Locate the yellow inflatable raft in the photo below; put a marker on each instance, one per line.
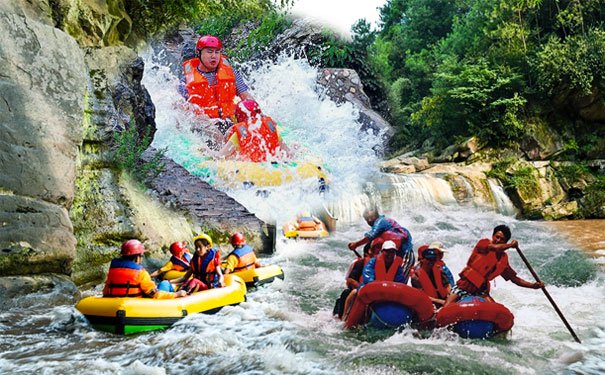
(261, 275)
(307, 227)
(231, 173)
(132, 315)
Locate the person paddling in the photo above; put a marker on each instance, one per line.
(487, 261)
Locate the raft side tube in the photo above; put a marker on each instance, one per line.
(389, 291)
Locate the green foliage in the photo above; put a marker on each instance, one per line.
(270, 25)
(500, 167)
(524, 180)
(473, 98)
(572, 172)
(128, 149)
(576, 62)
(152, 17)
(471, 67)
(592, 205)
(520, 177)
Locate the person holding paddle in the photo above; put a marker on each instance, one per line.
(487, 261)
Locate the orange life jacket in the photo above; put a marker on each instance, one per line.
(245, 257)
(257, 139)
(204, 268)
(427, 285)
(123, 279)
(215, 100)
(380, 269)
(481, 268)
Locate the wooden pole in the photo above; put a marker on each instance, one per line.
(552, 302)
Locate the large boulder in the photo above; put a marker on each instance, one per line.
(39, 11)
(93, 23)
(41, 91)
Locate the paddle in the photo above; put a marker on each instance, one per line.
(552, 302)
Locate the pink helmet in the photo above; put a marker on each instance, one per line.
(177, 247)
(207, 41)
(132, 247)
(238, 239)
(246, 109)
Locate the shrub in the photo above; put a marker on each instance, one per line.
(128, 149)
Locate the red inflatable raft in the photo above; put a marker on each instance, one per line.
(472, 316)
(389, 293)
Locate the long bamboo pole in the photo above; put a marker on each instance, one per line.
(552, 302)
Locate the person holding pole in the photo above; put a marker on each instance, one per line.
(487, 261)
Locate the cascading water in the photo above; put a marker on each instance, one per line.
(286, 327)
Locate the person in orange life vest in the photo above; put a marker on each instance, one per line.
(128, 278)
(354, 277)
(431, 276)
(254, 138)
(487, 261)
(179, 261)
(205, 267)
(386, 266)
(241, 258)
(445, 268)
(211, 83)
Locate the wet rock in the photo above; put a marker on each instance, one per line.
(41, 111)
(93, 23)
(560, 210)
(13, 286)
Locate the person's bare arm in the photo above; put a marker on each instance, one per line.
(500, 247)
(526, 284)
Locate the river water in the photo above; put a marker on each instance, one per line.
(286, 327)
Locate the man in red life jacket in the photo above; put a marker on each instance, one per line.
(487, 261)
(241, 258)
(128, 278)
(179, 261)
(254, 138)
(430, 274)
(211, 82)
(211, 85)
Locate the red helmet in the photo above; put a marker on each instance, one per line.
(132, 247)
(238, 239)
(246, 109)
(177, 247)
(207, 41)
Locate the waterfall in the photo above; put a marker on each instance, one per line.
(503, 202)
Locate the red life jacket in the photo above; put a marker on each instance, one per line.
(181, 264)
(390, 235)
(481, 268)
(427, 285)
(380, 269)
(216, 100)
(245, 257)
(257, 139)
(123, 279)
